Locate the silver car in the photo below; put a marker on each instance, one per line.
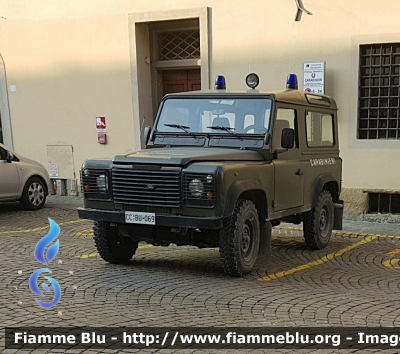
(22, 179)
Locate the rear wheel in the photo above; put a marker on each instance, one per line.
(318, 222)
(240, 239)
(34, 194)
(111, 245)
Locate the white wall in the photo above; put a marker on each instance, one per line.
(71, 62)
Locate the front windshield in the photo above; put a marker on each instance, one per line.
(215, 115)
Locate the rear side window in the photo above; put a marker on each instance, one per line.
(319, 128)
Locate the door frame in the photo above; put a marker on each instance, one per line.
(144, 76)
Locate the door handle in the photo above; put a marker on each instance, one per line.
(300, 172)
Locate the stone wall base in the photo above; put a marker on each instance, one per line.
(356, 206)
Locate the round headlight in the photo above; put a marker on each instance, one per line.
(252, 80)
(102, 183)
(196, 188)
(86, 173)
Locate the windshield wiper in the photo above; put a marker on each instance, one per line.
(220, 127)
(179, 126)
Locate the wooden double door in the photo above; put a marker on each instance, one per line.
(181, 80)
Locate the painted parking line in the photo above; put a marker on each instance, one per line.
(392, 262)
(86, 232)
(336, 232)
(90, 255)
(320, 261)
(95, 254)
(41, 228)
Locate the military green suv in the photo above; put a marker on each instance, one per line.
(220, 169)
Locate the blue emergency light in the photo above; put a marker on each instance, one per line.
(220, 83)
(291, 82)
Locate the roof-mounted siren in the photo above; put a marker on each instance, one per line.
(252, 80)
(292, 83)
(220, 83)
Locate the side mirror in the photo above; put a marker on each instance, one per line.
(146, 135)
(9, 157)
(287, 139)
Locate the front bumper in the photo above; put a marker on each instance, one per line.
(210, 223)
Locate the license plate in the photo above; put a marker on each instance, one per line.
(133, 217)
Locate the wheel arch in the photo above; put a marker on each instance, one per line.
(246, 189)
(325, 182)
(45, 183)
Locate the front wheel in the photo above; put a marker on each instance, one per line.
(111, 245)
(34, 194)
(239, 239)
(318, 222)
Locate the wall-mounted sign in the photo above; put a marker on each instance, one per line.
(101, 125)
(53, 170)
(314, 77)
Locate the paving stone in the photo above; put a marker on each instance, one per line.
(185, 286)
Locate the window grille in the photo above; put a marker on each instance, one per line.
(384, 203)
(379, 83)
(179, 45)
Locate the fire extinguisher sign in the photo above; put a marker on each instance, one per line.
(101, 125)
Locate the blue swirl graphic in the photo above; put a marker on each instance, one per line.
(46, 241)
(41, 257)
(35, 289)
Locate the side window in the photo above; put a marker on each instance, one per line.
(319, 128)
(285, 118)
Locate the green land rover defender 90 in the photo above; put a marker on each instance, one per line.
(220, 169)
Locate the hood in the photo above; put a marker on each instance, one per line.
(183, 156)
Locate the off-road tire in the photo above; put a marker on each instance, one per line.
(318, 222)
(34, 194)
(113, 247)
(239, 239)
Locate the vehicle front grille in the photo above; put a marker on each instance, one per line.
(147, 187)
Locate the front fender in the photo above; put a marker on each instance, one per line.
(319, 185)
(236, 189)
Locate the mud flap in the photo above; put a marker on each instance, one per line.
(265, 238)
(338, 215)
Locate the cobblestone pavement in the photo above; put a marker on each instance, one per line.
(353, 282)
